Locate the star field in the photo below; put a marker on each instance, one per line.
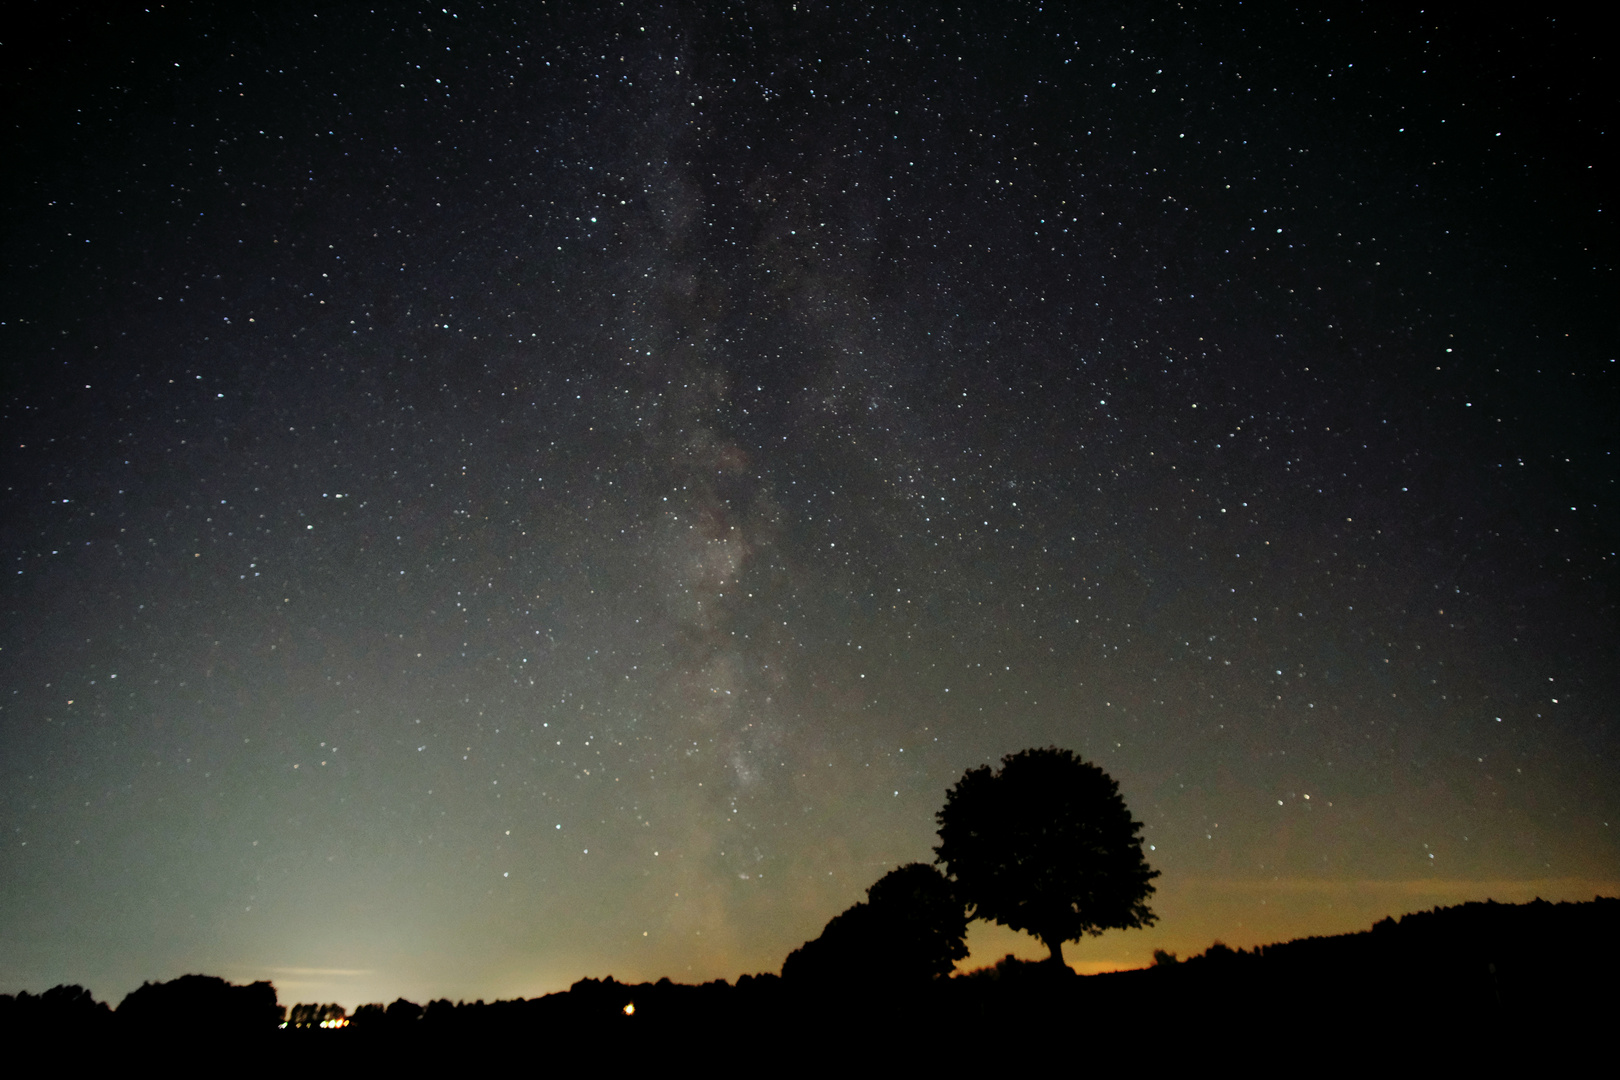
(498, 495)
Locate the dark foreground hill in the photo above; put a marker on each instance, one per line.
(1476, 976)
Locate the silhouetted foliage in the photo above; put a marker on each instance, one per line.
(402, 1014)
(203, 1003)
(1476, 976)
(1046, 845)
(910, 929)
(306, 1015)
(59, 1010)
(368, 1017)
(1010, 970)
(848, 948)
(930, 920)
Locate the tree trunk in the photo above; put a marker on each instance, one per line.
(1056, 945)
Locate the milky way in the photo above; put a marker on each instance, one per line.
(495, 496)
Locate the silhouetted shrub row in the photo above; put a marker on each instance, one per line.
(199, 1004)
(1483, 966)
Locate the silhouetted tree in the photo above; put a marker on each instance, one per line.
(60, 1011)
(440, 1013)
(910, 928)
(929, 921)
(845, 950)
(402, 1015)
(313, 1014)
(369, 1017)
(1046, 845)
(202, 1002)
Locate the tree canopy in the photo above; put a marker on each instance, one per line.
(1046, 845)
(910, 928)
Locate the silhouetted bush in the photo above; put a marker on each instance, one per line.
(1011, 970)
(910, 930)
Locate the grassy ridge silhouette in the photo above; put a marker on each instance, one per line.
(1485, 968)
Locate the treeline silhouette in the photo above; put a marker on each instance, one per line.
(1486, 968)
(202, 1003)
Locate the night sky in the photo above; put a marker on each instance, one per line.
(500, 494)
